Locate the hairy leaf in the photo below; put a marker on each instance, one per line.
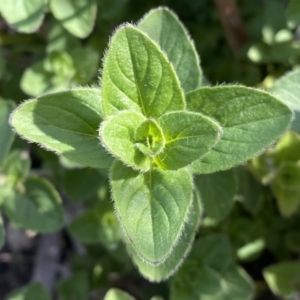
(163, 27)
(66, 123)
(138, 76)
(152, 208)
(251, 121)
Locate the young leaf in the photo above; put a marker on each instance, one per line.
(152, 208)
(173, 262)
(116, 294)
(77, 16)
(24, 15)
(283, 278)
(287, 89)
(163, 26)
(217, 193)
(7, 135)
(2, 233)
(138, 76)
(188, 137)
(251, 121)
(33, 291)
(118, 136)
(37, 208)
(66, 123)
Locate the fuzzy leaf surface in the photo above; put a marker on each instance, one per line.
(152, 208)
(66, 123)
(251, 121)
(7, 135)
(188, 137)
(163, 26)
(138, 76)
(77, 16)
(173, 262)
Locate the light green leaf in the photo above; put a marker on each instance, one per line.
(66, 123)
(293, 12)
(164, 27)
(33, 291)
(173, 262)
(38, 207)
(7, 135)
(152, 208)
(251, 250)
(217, 192)
(77, 16)
(138, 76)
(236, 284)
(116, 294)
(2, 233)
(287, 89)
(251, 121)
(283, 278)
(76, 287)
(188, 137)
(118, 136)
(24, 15)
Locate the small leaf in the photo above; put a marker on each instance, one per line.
(188, 137)
(38, 207)
(173, 262)
(251, 121)
(163, 27)
(66, 123)
(283, 278)
(7, 135)
(77, 16)
(2, 233)
(138, 76)
(116, 294)
(217, 193)
(118, 136)
(152, 208)
(24, 15)
(33, 291)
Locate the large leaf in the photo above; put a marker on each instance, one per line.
(33, 291)
(287, 89)
(6, 107)
(77, 16)
(66, 123)
(173, 262)
(38, 207)
(188, 137)
(283, 278)
(116, 294)
(251, 121)
(164, 28)
(217, 192)
(152, 208)
(138, 76)
(24, 15)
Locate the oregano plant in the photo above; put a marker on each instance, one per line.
(154, 128)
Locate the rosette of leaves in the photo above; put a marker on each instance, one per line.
(157, 127)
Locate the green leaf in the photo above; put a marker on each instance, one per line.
(217, 193)
(283, 278)
(152, 208)
(118, 136)
(293, 12)
(188, 135)
(116, 294)
(251, 121)
(96, 225)
(24, 15)
(76, 287)
(7, 136)
(33, 291)
(164, 27)
(2, 233)
(173, 262)
(66, 123)
(38, 207)
(251, 250)
(77, 16)
(138, 76)
(287, 89)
